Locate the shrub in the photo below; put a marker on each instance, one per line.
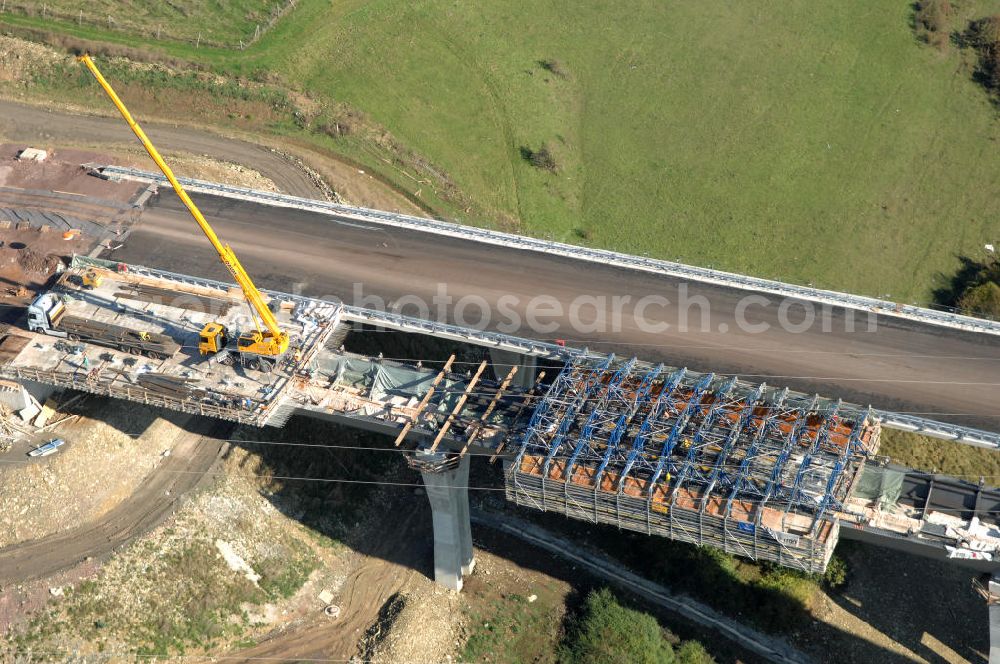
(836, 572)
(541, 158)
(982, 300)
(984, 36)
(555, 67)
(607, 632)
(931, 21)
(932, 15)
(692, 652)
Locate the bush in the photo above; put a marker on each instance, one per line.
(930, 21)
(692, 652)
(984, 36)
(836, 572)
(932, 15)
(555, 67)
(541, 158)
(607, 633)
(982, 300)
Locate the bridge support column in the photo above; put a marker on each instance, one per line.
(447, 485)
(527, 367)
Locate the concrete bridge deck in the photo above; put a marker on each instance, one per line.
(602, 437)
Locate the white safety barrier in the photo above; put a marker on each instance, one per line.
(667, 268)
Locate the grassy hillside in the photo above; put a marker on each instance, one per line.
(224, 23)
(812, 142)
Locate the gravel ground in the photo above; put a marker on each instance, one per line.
(101, 465)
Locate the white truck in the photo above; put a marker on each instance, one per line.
(48, 314)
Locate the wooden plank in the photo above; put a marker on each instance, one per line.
(423, 402)
(458, 405)
(489, 409)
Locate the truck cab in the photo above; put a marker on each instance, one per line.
(213, 338)
(42, 313)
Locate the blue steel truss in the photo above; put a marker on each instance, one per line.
(795, 495)
(654, 423)
(601, 415)
(733, 443)
(568, 412)
(640, 399)
(722, 457)
(742, 482)
(774, 482)
(695, 444)
(852, 448)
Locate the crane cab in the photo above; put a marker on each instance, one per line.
(213, 338)
(255, 342)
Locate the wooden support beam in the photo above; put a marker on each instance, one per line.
(458, 405)
(423, 402)
(489, 409)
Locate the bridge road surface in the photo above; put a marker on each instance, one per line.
(902, 366)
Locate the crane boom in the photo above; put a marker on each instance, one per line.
(274, 341)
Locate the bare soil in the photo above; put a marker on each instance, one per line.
(28, 260)
(111, 450)
(62, 171)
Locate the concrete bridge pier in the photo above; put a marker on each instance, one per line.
(527, 367)
(447, 483)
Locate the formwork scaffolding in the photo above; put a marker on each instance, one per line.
(755, 471)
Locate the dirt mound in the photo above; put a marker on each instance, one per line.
(33, 262)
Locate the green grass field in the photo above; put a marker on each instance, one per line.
(811, 142)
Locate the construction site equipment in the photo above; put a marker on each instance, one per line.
(259, 349)
(47, 314)
(90, 279)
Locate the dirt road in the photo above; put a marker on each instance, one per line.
(32, 124)
(391, 561)
(153, 502)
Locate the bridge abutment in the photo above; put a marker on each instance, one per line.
(447, 483)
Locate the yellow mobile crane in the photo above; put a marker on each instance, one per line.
(258, 349)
